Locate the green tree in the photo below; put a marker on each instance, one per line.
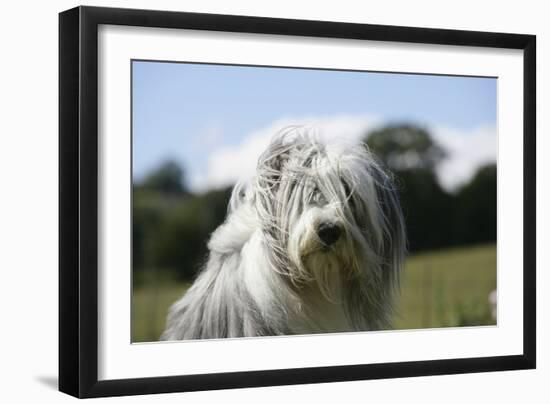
(168, 178)
(156, 194)
(183, 232)
(171, 226)
(148, 207)
(405, 147)
(476, 208)
(411, 155)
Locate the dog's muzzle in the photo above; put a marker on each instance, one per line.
(329, 233)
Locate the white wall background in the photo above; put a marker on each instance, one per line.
(28, 202)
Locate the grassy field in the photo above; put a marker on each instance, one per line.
(448, 288)
(439, 289)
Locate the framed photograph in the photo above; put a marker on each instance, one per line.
(250, 201)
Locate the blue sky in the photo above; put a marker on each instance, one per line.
(196, 113)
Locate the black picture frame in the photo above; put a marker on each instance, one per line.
(78, 200)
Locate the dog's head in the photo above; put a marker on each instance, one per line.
(329, 213)
(331, 220)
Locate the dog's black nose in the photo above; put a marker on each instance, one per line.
(329, 233)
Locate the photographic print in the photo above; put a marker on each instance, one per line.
(249, 201)
(272, 201)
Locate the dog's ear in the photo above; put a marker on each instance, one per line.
(393, 246)
(269, 174)
(370, 304)
(271, 165)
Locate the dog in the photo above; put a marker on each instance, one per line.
(314, 243)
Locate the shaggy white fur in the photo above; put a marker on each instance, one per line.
(315, 243)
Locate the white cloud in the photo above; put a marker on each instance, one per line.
(466, 150)
(210, 135)
(228, 164)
